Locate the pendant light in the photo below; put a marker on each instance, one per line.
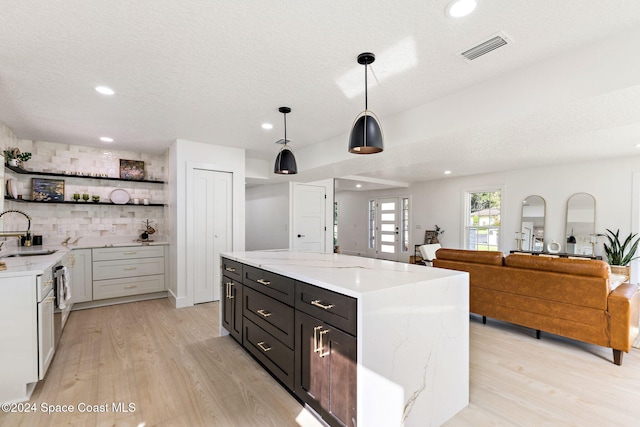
(366, 135)
(285, 160)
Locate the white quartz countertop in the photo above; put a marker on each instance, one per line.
(349, 275)
(34, 265)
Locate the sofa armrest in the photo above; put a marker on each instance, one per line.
(624, 309)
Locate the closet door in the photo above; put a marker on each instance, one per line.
(211, 220)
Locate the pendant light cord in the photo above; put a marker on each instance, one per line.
(366, 85)
(285, 128)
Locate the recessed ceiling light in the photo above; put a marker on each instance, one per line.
(106, 139)
(267, 126)
(460, 8)
(104, 90)
(358, 185)
(638, 145)
(447, 172)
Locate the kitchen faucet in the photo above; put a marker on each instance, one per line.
(27, 233)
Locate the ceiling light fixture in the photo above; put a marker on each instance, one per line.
(106, 139)
(460, 8)
(366, 135)
(447, 172)
(285, 160)
(104, 90)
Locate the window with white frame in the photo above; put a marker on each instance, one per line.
(404, 241)
(482, 220)
(372, 224)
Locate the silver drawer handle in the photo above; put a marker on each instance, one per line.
(263, 313)
(229, 292)
(130, 268)
(262, 347)
(231, 269)
(131, 286)
(129, 253)
(264, 282)
(321, 304)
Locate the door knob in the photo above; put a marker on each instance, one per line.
(300, 235)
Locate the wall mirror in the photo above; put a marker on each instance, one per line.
(532, 224)
(581, 221)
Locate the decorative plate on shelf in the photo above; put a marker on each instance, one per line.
(12, 190)
(120, 196)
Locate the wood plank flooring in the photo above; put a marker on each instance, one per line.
(176, 370)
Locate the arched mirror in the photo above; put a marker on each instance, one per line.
(532, 224)
(581, 222)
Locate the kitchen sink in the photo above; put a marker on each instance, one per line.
(30, 253)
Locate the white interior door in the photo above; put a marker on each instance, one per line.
(389, 221)
(212, 221)
(308, 226)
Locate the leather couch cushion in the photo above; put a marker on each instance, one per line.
(476, 257)
(586, 267)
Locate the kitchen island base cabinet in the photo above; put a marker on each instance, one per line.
(232, 294)
(274, 355)
(376, 343)
(326, 366)
(232, 307)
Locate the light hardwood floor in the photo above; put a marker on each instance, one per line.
(178, 372)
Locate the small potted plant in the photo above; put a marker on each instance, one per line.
(15, 158)
(620, 254)
(11, 156)
(439, 231)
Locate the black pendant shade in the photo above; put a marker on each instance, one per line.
(366, 134)
(285, 160)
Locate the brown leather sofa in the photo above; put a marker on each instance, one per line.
(567, 297)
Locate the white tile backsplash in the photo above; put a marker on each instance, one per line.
(88, 220)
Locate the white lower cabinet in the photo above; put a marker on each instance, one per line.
(121, 272)
(81, 276)
(113, 288)
(46, 334)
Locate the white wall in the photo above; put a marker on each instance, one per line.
(441, 202)
(181, 154)
(353, 211)
(267, 217)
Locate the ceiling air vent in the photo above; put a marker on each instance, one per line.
(489, 45)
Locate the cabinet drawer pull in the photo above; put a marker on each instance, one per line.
(263, 313)
(322, 353)
(229, 292)
(230, 269)
(321, 304)
(262, 347)
(129, 253)
(263, 282)
(130, 268)
(316, 347)
(131, 286)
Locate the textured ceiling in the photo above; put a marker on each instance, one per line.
(213, 71)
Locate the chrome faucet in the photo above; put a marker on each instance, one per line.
(66, 241)
(26, 234)
(75, 242)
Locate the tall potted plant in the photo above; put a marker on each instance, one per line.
(620, 254)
